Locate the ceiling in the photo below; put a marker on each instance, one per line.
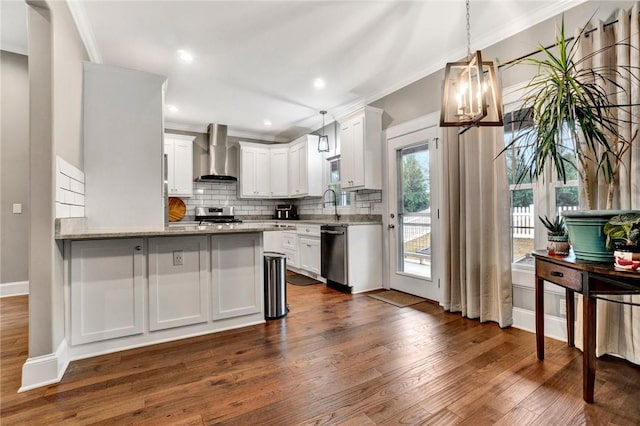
(255, 61)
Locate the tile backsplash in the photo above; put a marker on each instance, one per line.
(363, 202)
(226, 194)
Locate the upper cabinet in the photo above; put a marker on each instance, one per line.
(305, 167)
(361, 149)
(279, 166)
(179, 163)
(254, 171)
(281, 170)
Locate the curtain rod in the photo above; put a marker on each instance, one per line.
(554, 45)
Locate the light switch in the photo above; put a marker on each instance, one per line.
(17, 208)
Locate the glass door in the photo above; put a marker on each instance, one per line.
(410, 213)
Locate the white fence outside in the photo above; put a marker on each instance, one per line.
(523, 220)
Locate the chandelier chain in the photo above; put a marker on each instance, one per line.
(468, 31)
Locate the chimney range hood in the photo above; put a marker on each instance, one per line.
(222, 160)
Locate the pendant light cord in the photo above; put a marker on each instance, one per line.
(468, 31)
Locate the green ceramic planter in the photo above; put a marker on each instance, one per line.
(585, 233)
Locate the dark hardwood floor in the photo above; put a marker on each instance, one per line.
(336, 359)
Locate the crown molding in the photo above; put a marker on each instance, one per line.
(84, 29)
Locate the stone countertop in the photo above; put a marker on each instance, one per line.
(314, 222)
(78, 233)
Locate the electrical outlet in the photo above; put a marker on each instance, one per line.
(563, 307)
(178, 258)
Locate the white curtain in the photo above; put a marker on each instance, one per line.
(618, 325)
(477, 241)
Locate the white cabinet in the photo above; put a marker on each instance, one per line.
(254, 171)
(236, 265)
(279, 167)
(361, 149)
(364, 251)
(178, 281)
(309, 249)
(290, 248)
(272, 241)
(106, 289)
(305, 167)
(179, 164)
(281, 171)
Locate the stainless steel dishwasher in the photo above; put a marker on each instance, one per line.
(333, 257)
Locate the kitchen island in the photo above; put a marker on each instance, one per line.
(127, 288)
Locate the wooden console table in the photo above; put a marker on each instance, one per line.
(592, 280)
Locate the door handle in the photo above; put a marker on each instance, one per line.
(391, 226)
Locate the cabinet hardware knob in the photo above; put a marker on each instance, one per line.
(557, 274)
(138, 248)
(390, 226)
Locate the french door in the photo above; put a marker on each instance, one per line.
(412, 207)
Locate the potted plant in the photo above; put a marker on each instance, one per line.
(623, 231)
(570, 124)
(557, 235)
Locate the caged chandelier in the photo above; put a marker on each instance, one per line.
(469, 96)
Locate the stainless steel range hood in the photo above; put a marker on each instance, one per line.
(222, 160)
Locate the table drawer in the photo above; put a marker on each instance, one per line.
(561, 275)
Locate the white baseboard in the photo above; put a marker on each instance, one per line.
(45, 370)
(554, 327)
(17, 288)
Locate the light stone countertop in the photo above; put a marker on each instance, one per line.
(234, 228)
(315, 222)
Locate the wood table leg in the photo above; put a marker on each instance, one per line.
(571, 318)
(589, 346)
(540, 317)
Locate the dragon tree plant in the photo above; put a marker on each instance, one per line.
(571, 123)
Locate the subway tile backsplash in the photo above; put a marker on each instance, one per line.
(363, 202)
(226, 194)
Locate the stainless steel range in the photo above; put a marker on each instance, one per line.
(216, 215)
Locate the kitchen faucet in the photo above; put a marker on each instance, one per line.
(335, 201)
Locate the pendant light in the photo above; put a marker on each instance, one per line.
(470, 95)
(323, 142)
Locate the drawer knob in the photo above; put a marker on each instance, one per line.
(557, 274)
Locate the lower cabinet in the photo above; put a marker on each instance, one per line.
(197, 284)
(309, 250)
(178, 281)
(236, 275)
(107, 289)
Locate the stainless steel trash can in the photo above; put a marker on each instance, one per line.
(275, 285)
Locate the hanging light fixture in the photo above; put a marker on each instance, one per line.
(323, 142)
(470, 96)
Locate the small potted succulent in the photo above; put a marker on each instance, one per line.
(557, 235)
(623, 231)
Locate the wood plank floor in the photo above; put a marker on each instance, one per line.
(336, 359)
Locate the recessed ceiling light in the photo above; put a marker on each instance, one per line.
(172, 108)
(185, 56)
(318, 83)
(267, 123)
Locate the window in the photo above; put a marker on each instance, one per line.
(343, 197)
(532, 199)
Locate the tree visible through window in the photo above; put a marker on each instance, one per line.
(414, 183)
